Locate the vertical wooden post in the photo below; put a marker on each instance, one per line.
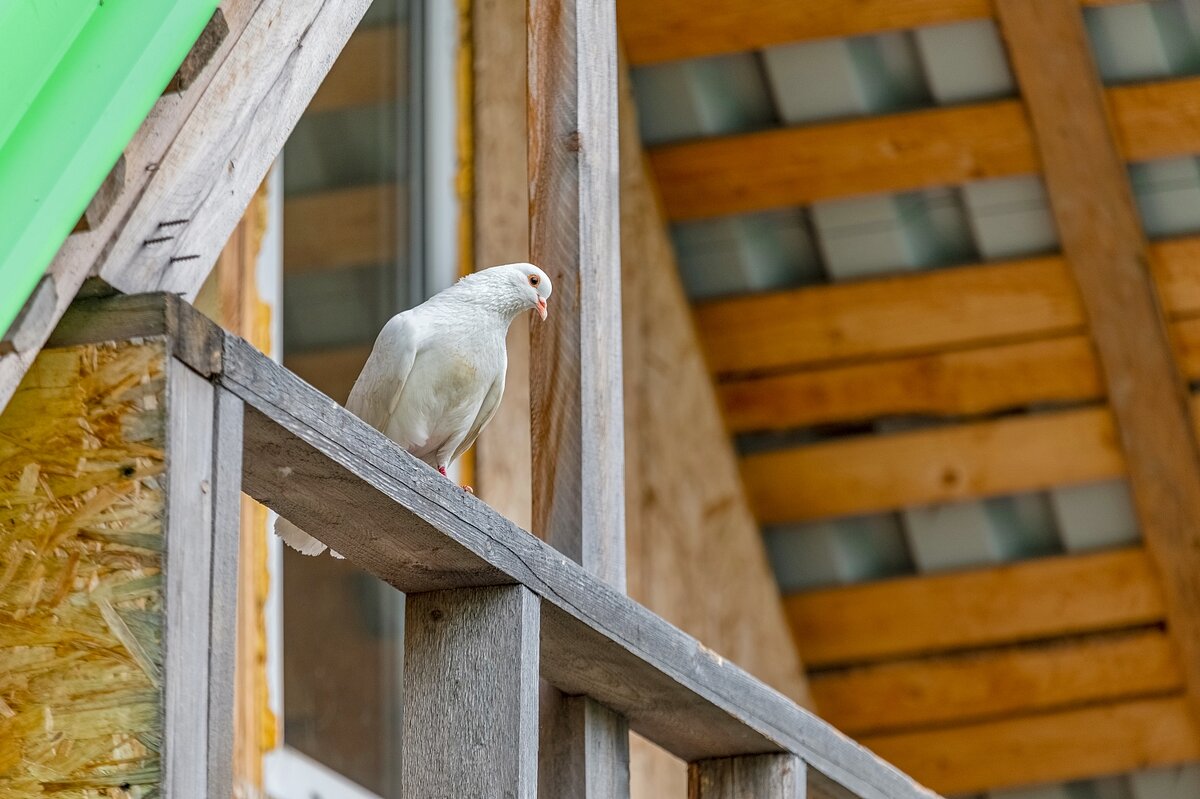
(123, 495)
(471, 693)
(578, 448)
(753, 777)
(575, 370)
(204, 469)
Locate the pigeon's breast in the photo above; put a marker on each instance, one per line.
(442, 397)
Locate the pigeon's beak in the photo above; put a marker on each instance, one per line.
(541, 307)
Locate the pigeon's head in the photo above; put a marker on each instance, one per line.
(532, 283)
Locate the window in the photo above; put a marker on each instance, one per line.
(368, 178)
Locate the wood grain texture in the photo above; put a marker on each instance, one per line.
(949, 384)
(370, 70)
(901, 152)
(24, 334)
(1102, 238)
(1055, 747)
(342, 228)
(877, 473)
(597, 765)
(891, 316)
(922, 313)
(995, 683)
(574, 223)
(102, 202)
(318, 464)
(82, 499)
(471, 693)
(754, 777)
(1030, 600)
(668, 30)
(226, 493)
(672, 29)
(503, 454)
(149, 146)
(201, 54)
(196, 195)
(795, 166)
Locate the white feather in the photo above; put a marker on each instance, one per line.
(435, 376)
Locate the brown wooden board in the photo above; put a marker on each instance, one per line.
(1098, 223)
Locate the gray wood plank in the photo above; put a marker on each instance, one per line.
(584, 748)
(471, 694)
(575, 371)
(226, 532)
(187, 209)
(188, 586)
(307, 458)
(751, 777)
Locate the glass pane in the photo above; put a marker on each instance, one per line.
(346, 270)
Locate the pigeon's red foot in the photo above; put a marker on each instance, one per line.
(468, 489)
(442, 471)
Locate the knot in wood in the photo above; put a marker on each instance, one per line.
(575, 141)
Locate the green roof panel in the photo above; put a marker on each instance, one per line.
(88, 74)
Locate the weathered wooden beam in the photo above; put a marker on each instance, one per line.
(1107, 739)
(201, 53)
(198, 191)
(667, 30)
(578, 460)
(316, 463)
(342, 228)
(123, 468)
(795, 166)
(878, 473)
(901, 152)
(604, 769)
(1026, 601)
(953, 384)
(978, 685)
(575, 378)
(471, 693)
(104, 199)
(953, 308)
(1103, 241)
(23, 335)
(198, 158)
(759, 776)
(901, 315)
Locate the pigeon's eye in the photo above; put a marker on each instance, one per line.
(534, 280)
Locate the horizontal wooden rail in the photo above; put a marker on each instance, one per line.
(1054, 747)
(1001, 682)
(314, 462)
(1026, 601)
(668, 30)
(948, 309)
(901, 152)
(890, 317)
(875, 473)
(343, 228)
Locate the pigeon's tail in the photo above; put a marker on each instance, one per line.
(299, 540)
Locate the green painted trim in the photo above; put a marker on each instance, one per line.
(90, 71)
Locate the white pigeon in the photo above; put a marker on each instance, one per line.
(436, 373)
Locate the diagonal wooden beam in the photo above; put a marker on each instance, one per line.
(198, 158)
(1107, 251)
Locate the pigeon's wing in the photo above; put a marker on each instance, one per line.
(491, 401)
(381, 382)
